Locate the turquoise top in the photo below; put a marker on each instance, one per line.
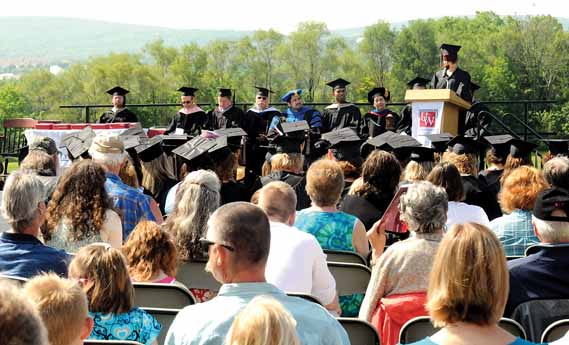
(518, 341)
(136, 325)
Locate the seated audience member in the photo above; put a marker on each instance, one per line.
(446, 175)
(238, 242)
(196, 199)
(517, 198)
(80, 211)
(288, 167)
(129, 175)
(20, 322)
(43, 166)
(469, 311)
(380, 176)
(296, 261)
(22, 254)
(544, 274)
(103, 274)
(556, 172)
(132, 204)
(403, 269)
(48, 146)
(63, 308)
(226, 169)
(263, 321)
(157, 173)
(151, 254)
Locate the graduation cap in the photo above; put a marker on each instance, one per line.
(418, 82)
(288, 136)
(383, 92)
(117, 91)
(450, 51)
(500, 144)
(78, 143)
(135, 130)
(172, 141)
(439, 142)
(224, 92)
(150, 150)
(558, 146)
(194, 148)
(234, 136)
(422, 154)
(463, 145)
(338, 83)
(345, 145)
(391, 142)
(263, 91)
(287, 96)
(130, 142)
(221, 149)
(474, 86)
(190, 91)
(521, 149)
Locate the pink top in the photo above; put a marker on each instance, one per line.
(167, 280)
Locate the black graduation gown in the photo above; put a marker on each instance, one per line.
(230, 118)
(297, 182)
(192, 123)
(470, 123)
(477, 193)
(123, 115)
(161, 196)
(405, 123)
(459, 82)
(374, 123)
(338, 116)
(492, 180)
(368, 210)
(256, 125)
(234, 191)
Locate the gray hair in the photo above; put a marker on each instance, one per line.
(551, 231)
(424, 207)
(20, 199)
(556, 172)
(108, 159)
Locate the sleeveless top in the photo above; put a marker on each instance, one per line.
(333, 230)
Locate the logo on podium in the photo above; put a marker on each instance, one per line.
(427, 118)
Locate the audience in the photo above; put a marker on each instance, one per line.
(446, 175)
(151, 254)
(264, 321)
(296, 261)
(157, 177)
(42, 165)
(401, 272)
(238, 242)
(22, 253)
(517, 198)
(103, 274)
(20, 322)
(80, 211)
(48, 146)
(289, 168)
(556, 172)
(468, 289)
(63, 308)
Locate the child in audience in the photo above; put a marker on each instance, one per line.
(151, 254)
(62, 306)
(102, 271)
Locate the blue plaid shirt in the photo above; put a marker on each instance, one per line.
(132, 204)
(515, 231)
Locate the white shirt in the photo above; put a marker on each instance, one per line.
(459, 213)
(297, 263)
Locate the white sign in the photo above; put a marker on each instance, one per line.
(427, 119)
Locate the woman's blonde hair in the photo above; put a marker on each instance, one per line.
(287, 162)
(127, 173)
(324, 182)
(467, 164)
(264, 321)
(156, 172)
(520, 189)
(417, 171)
(469, 280)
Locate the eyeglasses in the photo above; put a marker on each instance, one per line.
(186, 102)
(207, 243)
(261, 97)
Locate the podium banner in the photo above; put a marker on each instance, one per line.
(427, 119)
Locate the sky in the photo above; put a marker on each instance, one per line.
(283, 16)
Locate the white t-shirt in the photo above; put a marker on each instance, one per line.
(297, 263)
(459, 213)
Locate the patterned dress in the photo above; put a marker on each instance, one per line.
(333, 230)
(136, 325)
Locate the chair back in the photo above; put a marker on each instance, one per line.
(110, 342)
(193, 275)
(19, 281)
(513, 257)
(536, 247)
(305, 296)
(555, 331)
(344, 256)
(350, 278)
(360, 332)
(535, 315)
(165, 317)
(156, 295)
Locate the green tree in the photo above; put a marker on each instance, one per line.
(13, 103)
(376, 47)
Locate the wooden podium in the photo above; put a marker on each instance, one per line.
(434, 112)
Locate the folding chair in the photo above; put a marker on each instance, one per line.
(305, 296)
(350, 278)
(165, 317)
(513, 257)
(535, 315)
(110, 342)
(344, 256)
(155, 295)
(19, 281)
(194, 276)
(555, 331)
(359, 331)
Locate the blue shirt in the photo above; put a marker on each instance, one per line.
(133, 205)
(515, 231)
(171, 199)
(23, 255)
(428, 341)
(209, 322)
(135, 325)
(295, 116)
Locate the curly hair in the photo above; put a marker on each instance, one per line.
(148, 250)
(80, 198)
(381, 173)
(128, 174)
(350, 171)
(520, 189)
(466, 164)
(196, 199)
(511, 164)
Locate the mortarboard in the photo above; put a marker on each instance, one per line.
(391, 142)
(287, 137)
(150, 150)
(345, 145)
(78, 143)
(135, 130)
(500, 144)
(194, 148)
(338, 83)
(221, 149)
(263, 91)
(286, 98)
(224, 92)
(172, 141)
(422, 154)
(117, 91)
(439, 142)
(521, 149)
(558, 146)
(383, 92)
(234, 136)
(450, 51)
(188, 91)
(463, 145)
(418, 82)
(130, 142)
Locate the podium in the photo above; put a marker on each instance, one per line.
(434, 112)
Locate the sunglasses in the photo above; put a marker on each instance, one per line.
(186, 102)
(207, 243)
(261, 97)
